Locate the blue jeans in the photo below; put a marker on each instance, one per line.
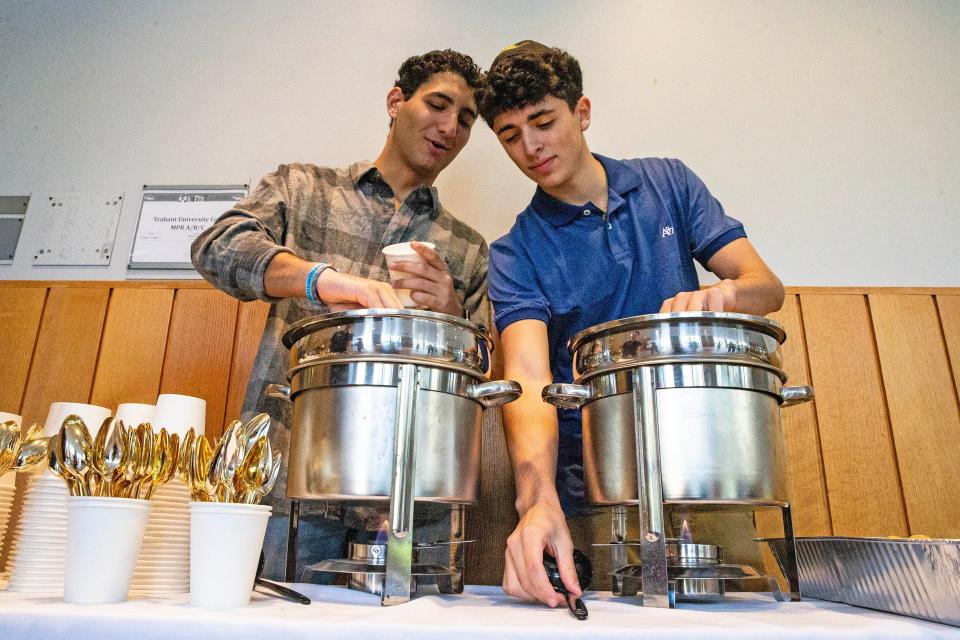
(319, 539)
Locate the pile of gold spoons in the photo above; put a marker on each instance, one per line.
(120, 462)
(18, 453)
(124, 462)
(240, 467)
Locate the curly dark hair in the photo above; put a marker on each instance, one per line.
(417, 69)
(524, 74)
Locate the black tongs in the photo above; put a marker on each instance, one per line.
(584, 576)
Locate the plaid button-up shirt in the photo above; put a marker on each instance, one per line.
(343, 217)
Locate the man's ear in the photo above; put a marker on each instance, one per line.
(582, 109)
(394, 98)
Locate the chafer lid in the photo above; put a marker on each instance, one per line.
(306, 326)
(721, 318)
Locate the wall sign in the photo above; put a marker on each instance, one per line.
(78, 230)
(12, 211)
(172, 216)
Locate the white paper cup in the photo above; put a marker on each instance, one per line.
(177, 414)
(92, 416)
(51, 426)
(225, 543)
(103, 542)
(134, 413)
(9, 479)
(403, 252)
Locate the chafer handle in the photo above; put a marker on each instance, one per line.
(494, 393)
(795, 395)
(567, 396)
(278, 391)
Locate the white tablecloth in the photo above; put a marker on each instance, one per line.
(481, 612)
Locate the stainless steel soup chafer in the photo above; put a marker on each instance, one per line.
(681, 408)
(387, 405)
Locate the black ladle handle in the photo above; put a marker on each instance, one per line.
(278, 590)
(584, 575)
(282, 591)
(577, 608)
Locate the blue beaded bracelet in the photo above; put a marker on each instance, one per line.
(311, 289)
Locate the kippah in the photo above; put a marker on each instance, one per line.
(516, 49)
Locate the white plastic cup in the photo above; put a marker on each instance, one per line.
(225, 544)
(103, 543)
(403, 252)
(9, 479)
(177, 414)
(92, 416)
(51, 426)
(134, 413)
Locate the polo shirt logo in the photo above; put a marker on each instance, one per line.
(666, 231)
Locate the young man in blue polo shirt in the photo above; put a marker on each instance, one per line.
(601, 239)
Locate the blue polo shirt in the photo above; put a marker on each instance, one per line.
(574, 267)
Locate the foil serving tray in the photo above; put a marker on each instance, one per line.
(917, 578)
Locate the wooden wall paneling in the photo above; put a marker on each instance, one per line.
(21, 310)
(924, 415)
(131, 352)
(949, 308)
(20, 313)
(251, 317)
(808, 489)
(199, 350)
(494, 517)
(65, 356)
(861, 473)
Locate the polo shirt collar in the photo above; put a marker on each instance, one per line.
(620, 179)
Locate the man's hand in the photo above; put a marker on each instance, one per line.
(747, 285)
(541, 527)
(432, 284)
(720, 297)
(286, 276)
(342, 292)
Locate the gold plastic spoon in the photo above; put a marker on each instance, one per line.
(75, 451)
(184, 454)
(163, 463)
(218, 476)
(272, 480)
(34, 433)
(53, 463)
(31, 455)
(199, 467)
(251, 474)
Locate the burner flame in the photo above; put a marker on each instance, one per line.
(686, 537)
(383, 533)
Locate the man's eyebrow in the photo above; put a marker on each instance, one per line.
(537, 114)
(530, 118)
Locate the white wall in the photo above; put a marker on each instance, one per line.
(832, 129)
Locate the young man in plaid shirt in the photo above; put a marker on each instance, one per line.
(308, 240)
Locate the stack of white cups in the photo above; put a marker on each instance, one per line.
(8, 487)
(39, 542)
(164, 564)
